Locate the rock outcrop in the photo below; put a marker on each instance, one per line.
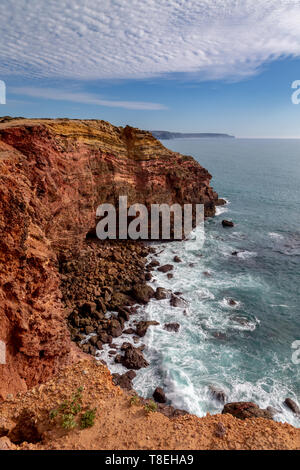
(245, 410)
(54, 174)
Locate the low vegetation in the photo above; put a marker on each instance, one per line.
(70, 413)
(150, 407)
(134, 400)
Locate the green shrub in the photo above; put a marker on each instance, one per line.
(67, 414)
(87, 420)
(150, 407)
(68, 421)
(134, 400)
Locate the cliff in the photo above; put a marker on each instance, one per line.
(54, 174)
(167, 135)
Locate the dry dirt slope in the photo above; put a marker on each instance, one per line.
(121, 425)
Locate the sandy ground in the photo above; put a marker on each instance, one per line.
(122, 425)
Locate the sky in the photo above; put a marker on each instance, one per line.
(179, 65)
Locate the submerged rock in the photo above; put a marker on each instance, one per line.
(227, 223)
(273, 410)
(219, 335)
(218, 393)
(207, 273)
(172, 327)
(176, 301)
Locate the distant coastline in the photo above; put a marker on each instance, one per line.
(166, 135)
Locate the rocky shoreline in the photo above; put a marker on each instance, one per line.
(103, 288)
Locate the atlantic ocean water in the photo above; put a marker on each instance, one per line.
(242, 347)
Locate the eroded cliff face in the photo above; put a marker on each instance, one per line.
(53, 175)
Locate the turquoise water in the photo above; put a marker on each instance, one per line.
(244, 349)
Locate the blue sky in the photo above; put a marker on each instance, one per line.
(181, 65)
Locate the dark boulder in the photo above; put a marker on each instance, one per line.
(129, 331)
(159, 395)
(101, 307)
(171, 327)
(118, 359)
(220, 202)
(94, 340)
(89, 330)
(292, 405)
(114, 328)
(161, 293)
(227, 223)
(133, 359)
(142, 293)
(176, 301)
(170, 411)
(244, 410)
(104, 337)
(123, 312)
(176, 259)
(88, 308)
(124, 380)
(142, 327)
(119, 299)
(165, 268)
(153, 264)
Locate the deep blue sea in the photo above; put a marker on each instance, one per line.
(245, 349)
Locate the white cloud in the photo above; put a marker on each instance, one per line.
(103, 39)
(85, 98)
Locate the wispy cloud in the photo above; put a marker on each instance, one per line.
(102, 39)
(84, 98)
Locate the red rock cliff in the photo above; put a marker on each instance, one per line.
(54, 174)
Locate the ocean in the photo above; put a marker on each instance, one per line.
(246, 348)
